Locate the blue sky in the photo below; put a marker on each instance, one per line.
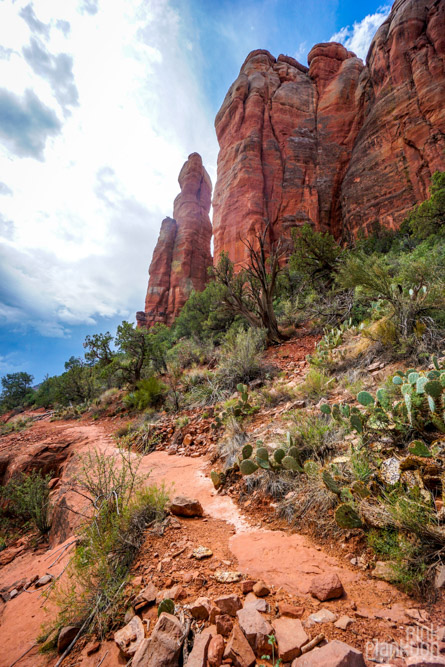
(100, 104)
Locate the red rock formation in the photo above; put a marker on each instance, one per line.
(341, 145)
(182, 254)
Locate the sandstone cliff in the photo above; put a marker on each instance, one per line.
(340, 144)
(182, 254)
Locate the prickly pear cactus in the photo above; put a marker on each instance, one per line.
(433, 389)
(347, 517)
(279, 455)
(167, 606)
(295, 453)
(330, 482)
(217, 478)
(247, 467)
(365, 398)
(418, 448)
(311, 468)
(356, 423)
(262, 458)
(360, 489)
(247, 451)
(289, 463)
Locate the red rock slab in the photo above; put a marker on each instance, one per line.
(286, 560)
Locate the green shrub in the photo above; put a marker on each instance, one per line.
(240, 359)
(313, 435)
(27, 498)
(122, 505)
(188, 352)
(315, 384)
(428, 218)
(149, 393)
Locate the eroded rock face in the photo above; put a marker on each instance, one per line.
(182, 254)
(342, 145)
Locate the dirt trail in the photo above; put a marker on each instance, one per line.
(282, 560)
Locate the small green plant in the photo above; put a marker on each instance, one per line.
(332, 338)
(275, 662)
(238, 408)
(148, 393)
(316, 383)
(166, 606)
(15, 425)
(27, 499)
(182, 421)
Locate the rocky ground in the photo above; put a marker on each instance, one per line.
(236, 573)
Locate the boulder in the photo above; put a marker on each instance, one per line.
(66, 636)
(255, 628)
(290, 610)
(320, 616)
(163, 649)
(43, 581)
(259, 604)
(326, 587)
(129, 637)
(199, 654)
(290, 637)
(229, 604)
(239, 650)
(146, 597)
(247, 586)
(216, 651)
(200, 609)
(224, 625)
(188, 507)
(260, 589)
(344, 622)
(333, 654)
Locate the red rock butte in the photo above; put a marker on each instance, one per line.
(340, 144)
(182, 255)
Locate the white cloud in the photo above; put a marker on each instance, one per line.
(82, 219)
(359, 37)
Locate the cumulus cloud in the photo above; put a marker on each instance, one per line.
(6, 227)
(359, 37)
(76, 238)
(90, 6)
(58, 70)
(4, 189)
(28, 15)
(26, 123)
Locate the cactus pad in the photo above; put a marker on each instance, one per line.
(289, 463)
(365, 398)
(347, 517)
(279, 455)
(418, 448)
(247, 451)
(167, 606)
(330, 482)
(247, 467)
